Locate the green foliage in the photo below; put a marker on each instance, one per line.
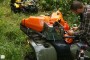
(12, 41)
(1, 1)
(63, 5)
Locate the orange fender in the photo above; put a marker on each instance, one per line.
(35, 23)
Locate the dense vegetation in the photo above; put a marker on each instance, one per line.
(12, 41)
(62, 5)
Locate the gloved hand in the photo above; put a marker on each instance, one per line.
(74, 28)
(70, 32)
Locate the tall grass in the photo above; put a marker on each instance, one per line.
(12, 41)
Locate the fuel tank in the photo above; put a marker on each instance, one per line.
(37, 22)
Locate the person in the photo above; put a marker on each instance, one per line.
(84, 28)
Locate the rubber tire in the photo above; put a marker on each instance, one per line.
(30, 56)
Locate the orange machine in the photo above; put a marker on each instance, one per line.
(37, 23)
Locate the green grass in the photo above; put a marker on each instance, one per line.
(12, 40)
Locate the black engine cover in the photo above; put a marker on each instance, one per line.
(63, 50)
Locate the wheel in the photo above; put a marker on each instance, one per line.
(80, 55)
(77, 55)
(33, 8)
(30, 56)
(36, 9)
(15, 10)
